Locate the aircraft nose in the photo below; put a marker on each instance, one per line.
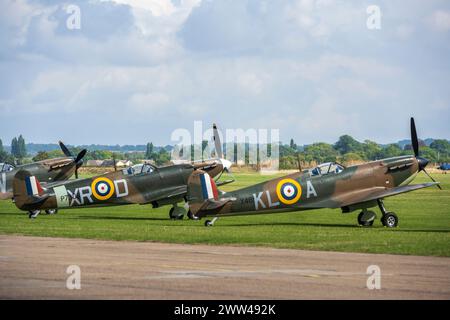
(422, 163)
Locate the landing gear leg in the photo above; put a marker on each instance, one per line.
(389, 219)
(209, 223)
(191, 216)
(32, 214)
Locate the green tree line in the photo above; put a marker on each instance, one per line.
(345, 150)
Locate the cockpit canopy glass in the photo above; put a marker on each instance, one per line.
(6, 167)
(326, 168)
(138, 169)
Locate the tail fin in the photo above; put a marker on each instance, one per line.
(27, 190)
(203, 196)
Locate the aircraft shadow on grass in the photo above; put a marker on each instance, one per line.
(121, 218)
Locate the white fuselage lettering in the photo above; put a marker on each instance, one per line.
(124, 184)
(269, 200)
(86, 193)
(310, 190)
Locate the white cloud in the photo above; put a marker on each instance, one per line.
(156, 7)
(310, 68)
(440, 20)
(404, 31)
(251, 83)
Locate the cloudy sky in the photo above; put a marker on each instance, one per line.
(138, 69)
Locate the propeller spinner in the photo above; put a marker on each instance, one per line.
(78, 160)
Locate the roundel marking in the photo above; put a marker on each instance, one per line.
(289, 191)
(102, 188)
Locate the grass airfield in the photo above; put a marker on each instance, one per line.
(424, 225)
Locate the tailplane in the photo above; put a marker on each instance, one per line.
(28, 192)
(203, 195)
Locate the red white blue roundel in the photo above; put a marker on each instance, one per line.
(102, 188)
(289, 191)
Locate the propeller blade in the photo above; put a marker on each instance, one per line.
(64, 149)
(217, 143)
(414, 139)
(431, 178)
(80, 155)
(76, 172)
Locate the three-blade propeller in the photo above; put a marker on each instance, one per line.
(219, 152)
(78, 160)
(415, 146)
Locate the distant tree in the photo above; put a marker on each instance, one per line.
(408, 146)
(41, 155)
(442, 148)
(14, 148)
(149, 151)
(292, 145)
(101, 155)
(4, 156)
(320, 152)
(429, 153)
(22, 150)
(347, 144)
(392, 150)
(286, 150)
(55, 154)
(371, 150)
(163, 157)
(350, 157)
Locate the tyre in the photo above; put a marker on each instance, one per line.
(176, 215)
(366, 218)
(51, 211)
(390, 220)
(208, 223)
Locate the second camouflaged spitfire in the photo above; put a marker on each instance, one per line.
(327, 186)
(141, 184)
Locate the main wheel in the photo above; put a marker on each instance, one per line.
(366, 218)
(51, 211)
(390, 220)
(175, 216)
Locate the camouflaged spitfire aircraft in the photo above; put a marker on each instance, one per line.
(329, 185)
(47, 171)
(140, 184)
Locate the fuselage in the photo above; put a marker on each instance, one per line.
(119, 188)
(306, 190)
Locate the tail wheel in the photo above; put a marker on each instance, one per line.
(390, 220)
(208, 223)
(33, 213)
(51, 211)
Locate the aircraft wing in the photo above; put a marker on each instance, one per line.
(365, 195)
(165, 193)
